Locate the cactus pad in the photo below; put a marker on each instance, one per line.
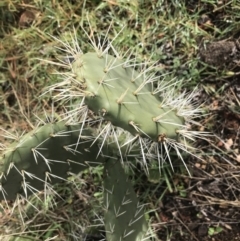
(123, 96)
(124, 216)
(45, 156)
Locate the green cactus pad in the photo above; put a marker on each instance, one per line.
(124, 216)
(122, 96)
(45, 156)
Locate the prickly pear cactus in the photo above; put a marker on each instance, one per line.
(124, 216)
(118, 109)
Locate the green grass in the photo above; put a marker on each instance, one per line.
(164, 31)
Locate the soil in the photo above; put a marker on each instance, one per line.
(220, 53)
